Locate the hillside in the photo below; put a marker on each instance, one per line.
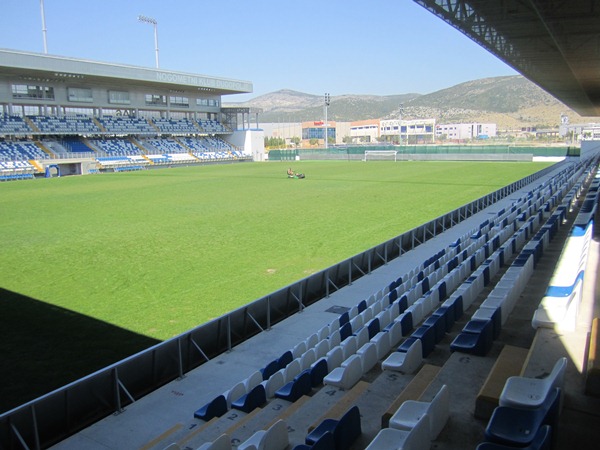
(511, 102)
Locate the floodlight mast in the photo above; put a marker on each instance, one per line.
(43, 26)
(153, 22)
(327, 101)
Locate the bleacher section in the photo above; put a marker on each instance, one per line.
(20, 151)
(126, 125)
(212, 126)
(321, 375)
(173, 126)
(65, 125)
(13, 125)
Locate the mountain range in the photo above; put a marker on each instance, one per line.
(512, 102)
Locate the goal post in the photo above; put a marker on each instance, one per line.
(380, 155)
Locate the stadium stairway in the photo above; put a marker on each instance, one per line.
(166, 415)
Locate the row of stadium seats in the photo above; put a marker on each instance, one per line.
(82, 124)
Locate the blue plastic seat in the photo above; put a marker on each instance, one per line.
(215, 408)
(447, 312)
(541, 441)
(438, 322)
(518, 427)
(426, 334)
(373, 327)
(252, 400)
(345, 430)
(270, 369)
(285, 359)
(407, 323)
(476, 338)
(325, 442)
(318, 371)
(299, 386)
(345, 331)
(344, 318)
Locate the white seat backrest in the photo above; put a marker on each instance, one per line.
(323, 333)
(395, 333)
(439, 411)
(273, 384)
(557, 375)
(253, 380)
(335, 339)
(335, 357)
(362, 337)
(223, 442)
(357, 322)
(308, 358)
(276, 437)
(312, 340)
(292, 369)
(349, 346)
(299, 349)
(234, 393)
(322, 348)
(368, 356)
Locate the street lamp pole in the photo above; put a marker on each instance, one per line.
(153, 22)
(327, 101)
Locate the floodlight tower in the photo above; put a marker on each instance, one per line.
(43, 26)
(327, 101)
(153, 22)
(400, 125)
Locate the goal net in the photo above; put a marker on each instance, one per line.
(380, 155)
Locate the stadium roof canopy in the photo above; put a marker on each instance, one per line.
(554, 43)
(42, 66)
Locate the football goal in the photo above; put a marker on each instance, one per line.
(380, 155)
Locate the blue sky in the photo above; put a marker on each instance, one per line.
(381, 47)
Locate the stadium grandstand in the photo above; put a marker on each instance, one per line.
(86, 117)
(478, 329)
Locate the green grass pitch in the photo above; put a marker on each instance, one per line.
(96, 268)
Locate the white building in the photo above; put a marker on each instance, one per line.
(414, 131)
(466, 131)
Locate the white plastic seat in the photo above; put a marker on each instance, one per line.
(335, 339)
(334, 357)
(382, 343)
(523, 392)
(312, 340)
(223, 442)
(234, 393)
(334, 326)
(323, 333)
(292, 369)
(274, 383)
(416, 438)
(299, 349)
(395, 333)
(322, 348)
(416, 309)
(411, 411)
(274, 438)
(357, 322)
(253, 380)
(345, 377)
(403, 362)
(308, 358)
(385, 318)
(362, 337)
(368, 356)
(349, 346)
